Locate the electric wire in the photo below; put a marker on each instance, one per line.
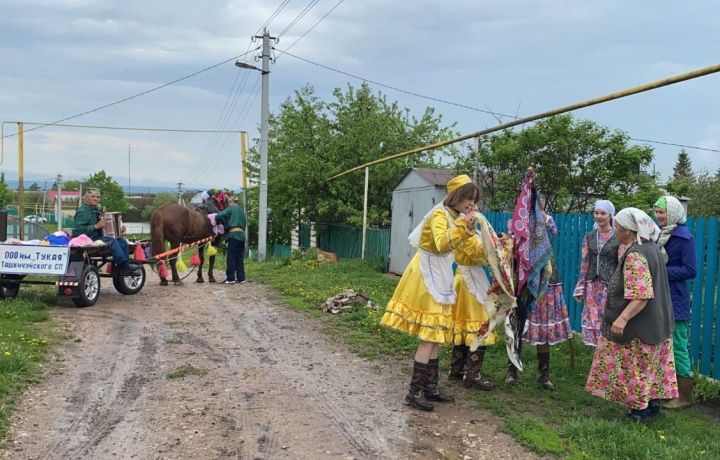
(135, 96)
(314, 25)
(300, 15)
(273, 16)
(497, 115)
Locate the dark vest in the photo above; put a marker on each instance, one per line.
(601, 263)
(655, 323)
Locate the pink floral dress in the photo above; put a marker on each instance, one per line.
(548, 321)
(594, 293)
(633, 373)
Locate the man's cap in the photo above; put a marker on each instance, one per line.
(92, 191)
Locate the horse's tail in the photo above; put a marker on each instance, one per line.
(157, 233)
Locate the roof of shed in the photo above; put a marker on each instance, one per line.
(432, 176)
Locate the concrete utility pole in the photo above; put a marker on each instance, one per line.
(180, 200)
(264, 115)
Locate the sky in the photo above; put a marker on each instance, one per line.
(59, 58)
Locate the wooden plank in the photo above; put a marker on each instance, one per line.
(708, 296)
(711, 366)
(696, 314)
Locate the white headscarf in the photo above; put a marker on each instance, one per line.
(638, 221)
(607, 206)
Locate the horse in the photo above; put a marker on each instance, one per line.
(180, 225)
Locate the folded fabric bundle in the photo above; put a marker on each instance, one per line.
(59, 238)
(82, 240)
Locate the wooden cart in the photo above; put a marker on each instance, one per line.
(78, 269)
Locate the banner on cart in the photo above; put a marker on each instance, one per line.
(33, 260)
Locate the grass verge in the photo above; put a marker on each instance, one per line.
(24, 337)
(567, 423)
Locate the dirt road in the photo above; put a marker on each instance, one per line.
(215, 371)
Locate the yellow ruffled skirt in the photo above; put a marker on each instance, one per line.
(414, 311)
(469, 316)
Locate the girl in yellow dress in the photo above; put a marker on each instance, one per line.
(422, 303)
(470, 317)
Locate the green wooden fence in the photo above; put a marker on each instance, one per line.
(345, 241)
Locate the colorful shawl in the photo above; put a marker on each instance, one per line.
(532, 254)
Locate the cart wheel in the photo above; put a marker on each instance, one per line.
(9, 292)
(89, 288)
(129, 284)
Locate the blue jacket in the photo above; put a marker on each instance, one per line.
(681, 266)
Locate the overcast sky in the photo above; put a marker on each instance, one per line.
(59, 58)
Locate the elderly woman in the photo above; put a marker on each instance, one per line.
(599, 260)
(678, 248)
(633, 364)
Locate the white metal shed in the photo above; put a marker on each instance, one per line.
(417, 192)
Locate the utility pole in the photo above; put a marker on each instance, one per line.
(59, 202)
(264, 115)
(128, 190)
(180, 200)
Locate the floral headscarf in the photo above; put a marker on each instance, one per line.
(676, 215)
(639, 222)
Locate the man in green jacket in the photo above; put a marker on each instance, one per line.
(236, 223)
(88, 222)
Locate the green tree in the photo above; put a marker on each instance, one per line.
(73, 185)
(683, 177)
(34, 187)
(160, 199)
(704, 194)
(575, 161)
(683, 166)
(6, 195)
(112, 197)
(310, 140)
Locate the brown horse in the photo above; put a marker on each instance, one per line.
(180, 225)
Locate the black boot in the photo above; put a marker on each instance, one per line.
(432, 393)
(457, 362)
(512, 373)
(544, 370)
(473, 377)
(416, 395)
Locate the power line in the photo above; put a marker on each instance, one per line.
(129, 128)
(300, 15)
(272, 16)
(314, 25)
(120, 101)
(394, 88)
(495, 114)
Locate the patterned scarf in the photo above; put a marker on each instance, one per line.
(675, 213)
(532, 244)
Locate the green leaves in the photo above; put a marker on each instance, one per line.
(575, 161)
(112, 197)
(311, 140)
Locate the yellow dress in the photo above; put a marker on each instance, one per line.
(412, 308)
(469, 315)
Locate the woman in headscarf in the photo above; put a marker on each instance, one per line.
(678, 248)
(633, 364)
(547, 321)
(599, 259)
(422, 303)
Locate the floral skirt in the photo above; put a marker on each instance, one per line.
(413, 309)
(633, 373)
(592, 313)
(548, 322)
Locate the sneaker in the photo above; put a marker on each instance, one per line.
(242, 282)
(229, 282)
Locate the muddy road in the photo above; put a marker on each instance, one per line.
(228, 371)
